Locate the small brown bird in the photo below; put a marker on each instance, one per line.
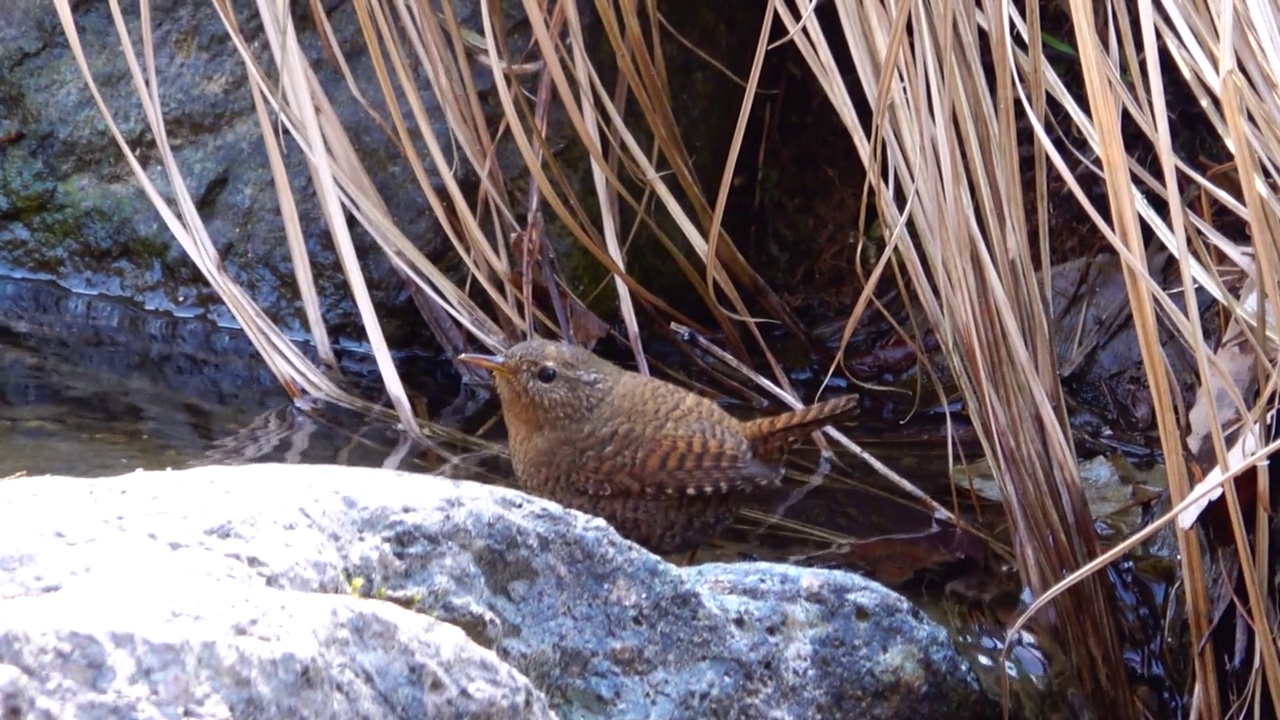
(667, 468)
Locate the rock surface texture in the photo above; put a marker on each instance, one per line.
(228, 592)
(71, 210)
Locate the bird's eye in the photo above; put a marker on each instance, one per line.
(546, 374)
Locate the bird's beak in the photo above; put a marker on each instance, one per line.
(496, 364)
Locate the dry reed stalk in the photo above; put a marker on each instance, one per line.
(942, 148)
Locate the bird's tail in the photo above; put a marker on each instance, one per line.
(771, 437)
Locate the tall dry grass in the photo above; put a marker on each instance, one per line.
(949, 84)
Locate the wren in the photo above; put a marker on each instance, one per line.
(667, 468)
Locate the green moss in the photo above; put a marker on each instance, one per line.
(23, 193)
(71, 227)
(354, 586)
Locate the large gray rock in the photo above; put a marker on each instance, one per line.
(227, 588)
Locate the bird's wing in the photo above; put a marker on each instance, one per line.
(698, 457)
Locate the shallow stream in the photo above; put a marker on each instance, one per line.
(94, 386)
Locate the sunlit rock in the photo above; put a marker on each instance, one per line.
(230, 591)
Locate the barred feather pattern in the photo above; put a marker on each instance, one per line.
(665, 466)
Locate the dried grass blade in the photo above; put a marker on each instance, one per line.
(1101, 92)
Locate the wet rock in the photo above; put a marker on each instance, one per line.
(71, 210)
(205, 584)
